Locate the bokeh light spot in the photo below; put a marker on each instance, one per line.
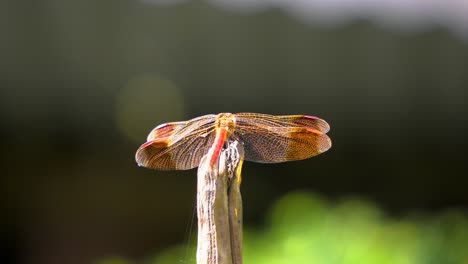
(145, 102)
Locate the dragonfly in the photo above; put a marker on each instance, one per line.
(265, 138)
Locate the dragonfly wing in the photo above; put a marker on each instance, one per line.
(177, 145)
(165, 130)
(270, 139)
(184, 154)
(284, 146)
(181, 128)
(267, 121)
(311, 122)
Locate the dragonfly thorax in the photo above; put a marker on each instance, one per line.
(226, 121)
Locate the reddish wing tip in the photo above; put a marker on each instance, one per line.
(161, 131)
(324, 125)
(315, 131)
(145, 151)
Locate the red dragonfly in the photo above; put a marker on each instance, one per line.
(265, 138)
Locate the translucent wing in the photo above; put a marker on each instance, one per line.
(185, 154)
(166, 130)
(267, 121)
(270, 139)
(177, 130)
(177, 145)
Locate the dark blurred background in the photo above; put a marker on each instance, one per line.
(83, 82)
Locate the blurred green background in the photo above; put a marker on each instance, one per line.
(83, 82)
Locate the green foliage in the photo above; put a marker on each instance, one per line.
(303, 228)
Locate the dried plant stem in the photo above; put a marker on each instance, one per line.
(220, 208)
(235, 215)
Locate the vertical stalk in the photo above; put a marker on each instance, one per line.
(235, 210)
(219, 208)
